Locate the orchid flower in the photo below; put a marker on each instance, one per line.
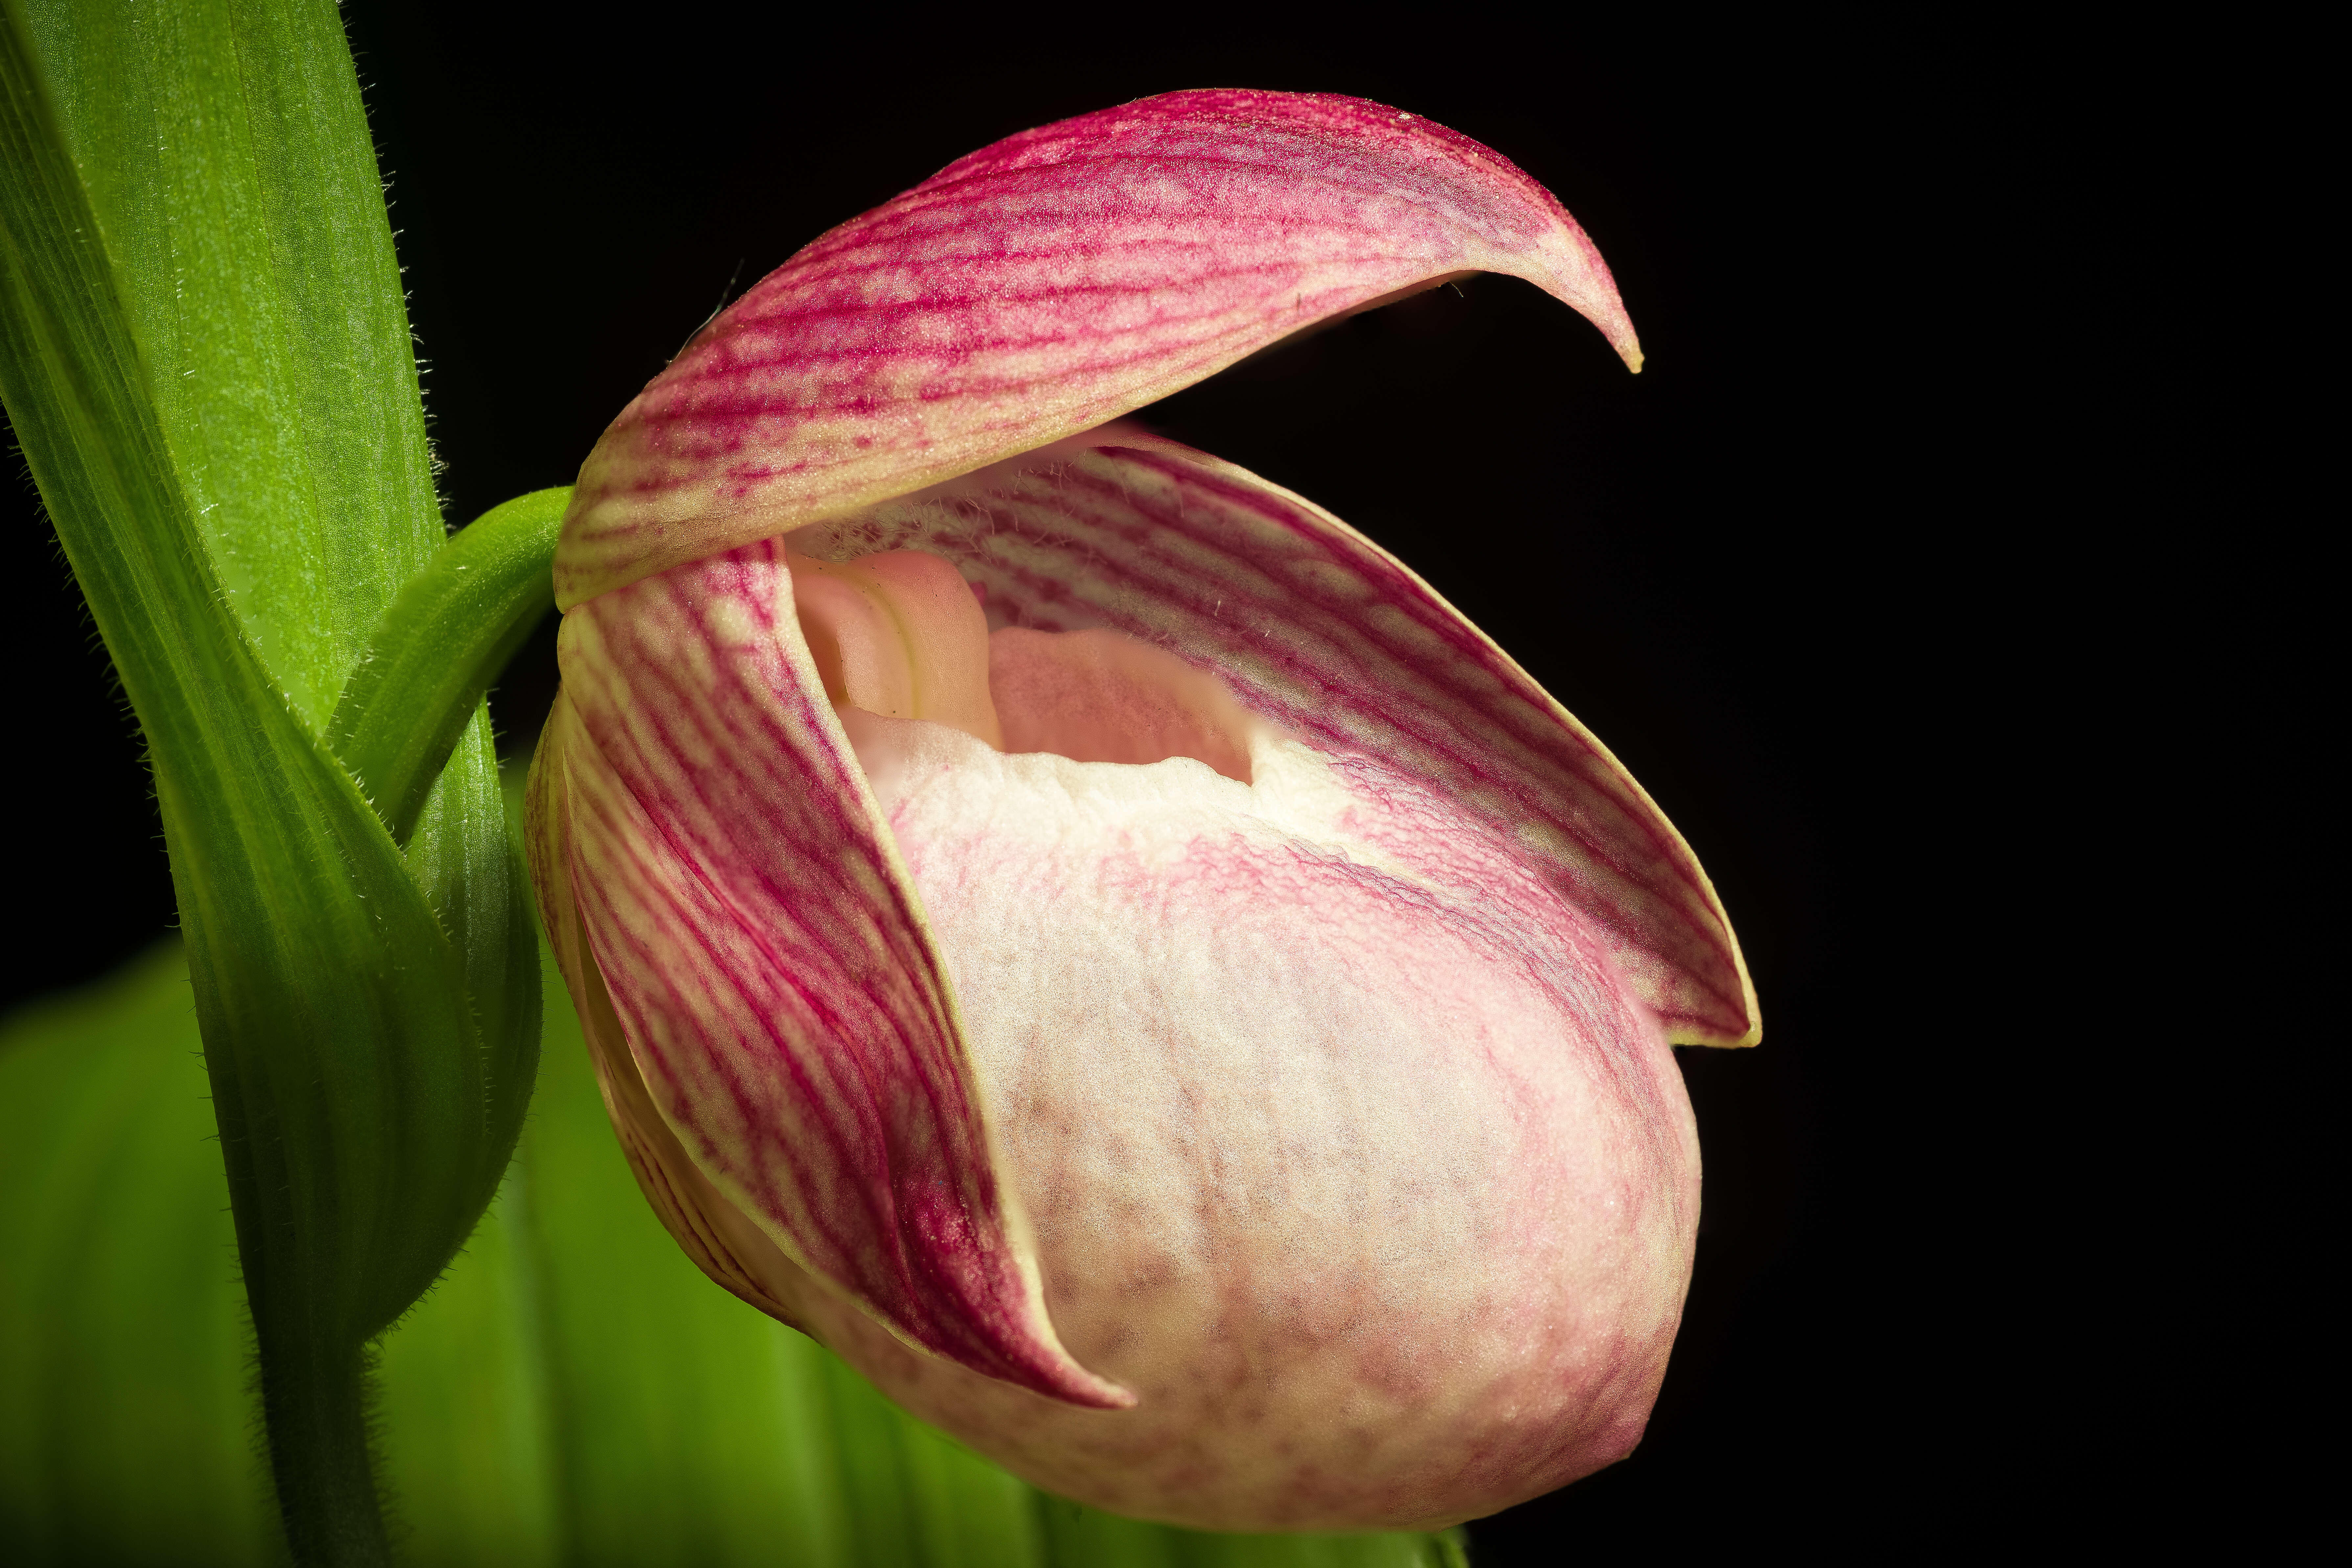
(1076, 927)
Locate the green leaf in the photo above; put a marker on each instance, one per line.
(203, 351)
(574, 1391)
(125, 1411)
(349, 1075)
(228, 162)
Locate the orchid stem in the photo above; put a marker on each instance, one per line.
(318, 1451)
(440, 645)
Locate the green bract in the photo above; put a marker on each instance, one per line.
(206, 354)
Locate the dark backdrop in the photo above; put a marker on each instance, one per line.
(1739, 567)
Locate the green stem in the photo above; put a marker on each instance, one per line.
(314, 1399)
(440, 645)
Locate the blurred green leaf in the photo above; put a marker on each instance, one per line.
(126, 1415)
(574, 1392)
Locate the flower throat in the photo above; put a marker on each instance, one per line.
(901, 635)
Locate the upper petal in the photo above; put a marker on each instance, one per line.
(1043, 286)
(1321, 629)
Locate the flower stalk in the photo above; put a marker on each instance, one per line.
(442, 643)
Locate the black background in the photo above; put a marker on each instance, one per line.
(1753, 570)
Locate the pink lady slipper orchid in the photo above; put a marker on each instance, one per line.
(1076, 928)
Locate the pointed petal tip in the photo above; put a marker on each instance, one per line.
(1036, 287)
(1741, 1027)
(1091, 1392)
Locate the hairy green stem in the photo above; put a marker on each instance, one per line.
(440, 645)
(319, 1452)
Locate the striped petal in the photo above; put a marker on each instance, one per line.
(1319, 628)
(721, 896)
(718, 1237)
(1039, 287)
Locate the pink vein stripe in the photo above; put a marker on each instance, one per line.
(767, 961)
(1043, 286)
(1318, 628)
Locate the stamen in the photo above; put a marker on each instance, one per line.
(902, 636)
(898, 634)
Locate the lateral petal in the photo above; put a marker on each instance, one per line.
(1040, 287)
(1319, 628)
(767, 961)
